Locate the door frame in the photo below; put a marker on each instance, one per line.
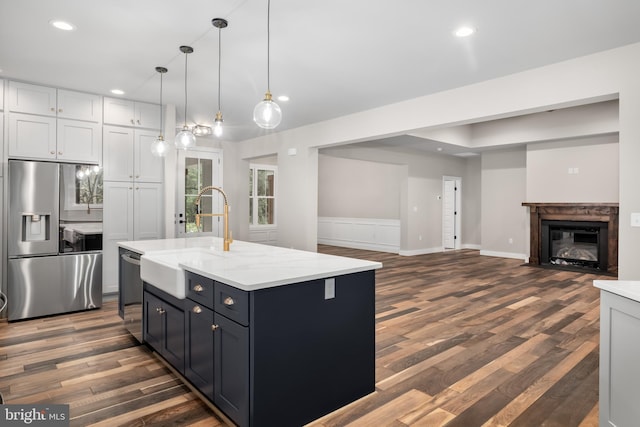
(458, 211)
(208, 152)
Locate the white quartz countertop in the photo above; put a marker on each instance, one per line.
(248, 266)
(625, 288)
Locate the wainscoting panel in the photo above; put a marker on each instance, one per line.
(360, 233)
(266, 236)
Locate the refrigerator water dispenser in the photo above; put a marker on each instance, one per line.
(35, 227)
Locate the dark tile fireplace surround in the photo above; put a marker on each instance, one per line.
(575, 235)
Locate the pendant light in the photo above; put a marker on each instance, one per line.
(219, 23)
(267, 113)
(159, 146)
(185, 138)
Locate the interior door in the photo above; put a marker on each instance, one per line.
(200, 167)
(450, 213)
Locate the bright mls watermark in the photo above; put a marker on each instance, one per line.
(34, 415)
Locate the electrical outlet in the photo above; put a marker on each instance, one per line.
(635, 219)
(330, 288)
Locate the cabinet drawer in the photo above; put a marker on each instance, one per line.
(232, 303)
(200, 289)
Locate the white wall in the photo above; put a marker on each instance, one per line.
(603, 76)
(358, 188)
(471, 204)
(583, 170)
(504, 219)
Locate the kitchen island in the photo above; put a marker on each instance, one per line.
(270, 336)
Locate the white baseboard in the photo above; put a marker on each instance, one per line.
(471, 246)
(503, 254)
(423, 251)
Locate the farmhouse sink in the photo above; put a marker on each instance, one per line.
(162, 268)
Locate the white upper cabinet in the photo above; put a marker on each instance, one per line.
(123, 112)
(79, 106)
(32, 136)
(127, 155)
(54, 124)
(1, 94)
(79, 141)
(47, 101)
(32, 99)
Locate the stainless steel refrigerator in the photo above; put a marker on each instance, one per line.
(55, 239)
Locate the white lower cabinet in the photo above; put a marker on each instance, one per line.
(619, 356)
(132, 211)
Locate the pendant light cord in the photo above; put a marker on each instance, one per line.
(268, 45)
(185, 88)
(219, 63)
(161, 127)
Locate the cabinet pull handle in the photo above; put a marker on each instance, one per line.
(52, 152)
(160, 310)
(53, 109)
(198, 288)
(60, 152)
(60, 110)
(138, 121)
(214, 327)
(228, 301)
(197, 309)
(132, 122)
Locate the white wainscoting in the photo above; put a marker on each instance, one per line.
(360, 233)
(266, 235)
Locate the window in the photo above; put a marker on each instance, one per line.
(262, 194)
(88, 185)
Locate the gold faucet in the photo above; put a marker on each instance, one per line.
(225, 214)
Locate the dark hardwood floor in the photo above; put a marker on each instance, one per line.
(461, 340)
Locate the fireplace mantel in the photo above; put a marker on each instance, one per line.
(604, 212)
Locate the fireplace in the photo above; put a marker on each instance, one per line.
(574, 244)
(576, 235)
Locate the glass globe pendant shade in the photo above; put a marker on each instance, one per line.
(267, 114)
(185, 139)
(217, 125)
(159, 147)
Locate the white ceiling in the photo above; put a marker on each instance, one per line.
(331, 57)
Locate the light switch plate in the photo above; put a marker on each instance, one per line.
(330, 288)
(635, 219)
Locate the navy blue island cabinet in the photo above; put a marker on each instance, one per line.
(283, 355)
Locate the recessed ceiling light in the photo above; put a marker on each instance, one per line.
(117, 91)
(283, 98)
(464, 31)
(62, 25)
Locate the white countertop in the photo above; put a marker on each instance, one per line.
(625, 288)
(250, 266)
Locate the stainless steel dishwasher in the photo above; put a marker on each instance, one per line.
(130, 288)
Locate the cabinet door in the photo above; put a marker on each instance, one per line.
(147, 115)
(153, 330)
(148, 211)
(119, 112)
(117, 153)
(231, 369)
(32, 99)
(79, 106)
(79, 141)
(147, 167)
(117, 226)
(173, 337)
(198, 364)
(32, 136)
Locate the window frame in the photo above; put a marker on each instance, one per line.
(253, 195)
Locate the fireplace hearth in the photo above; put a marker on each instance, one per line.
(574, 235)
